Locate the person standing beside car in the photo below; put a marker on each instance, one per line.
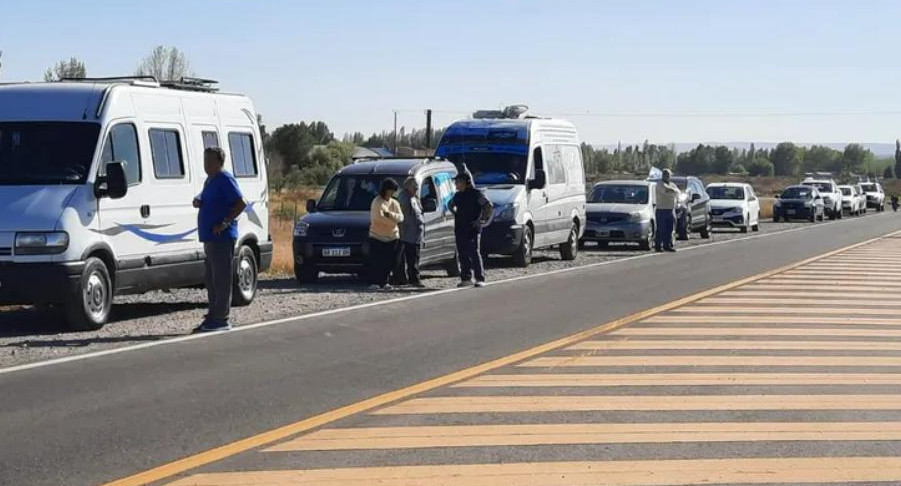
(471, 211)
(384, 234)
(220, 204)
(412, 232)
(667, 194)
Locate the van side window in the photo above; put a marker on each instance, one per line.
(210, 139)
(122, 146)
(556, 173)
(165, 148)
(243, 155)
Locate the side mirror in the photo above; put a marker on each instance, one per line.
(777, 196)
(311, 205)
(695, 197)
(429, 205)
(540, 180)
(114, 184)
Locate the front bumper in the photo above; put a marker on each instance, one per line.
(310, 253)
(617, 232)
(502, 238)
(39, 283)
(875, 202)
(799, 213)
(722, 221)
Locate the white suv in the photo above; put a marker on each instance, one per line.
(875, 195)
(832, 195)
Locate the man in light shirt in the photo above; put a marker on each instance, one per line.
(667, 197)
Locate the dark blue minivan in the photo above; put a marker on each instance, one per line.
(333, 237)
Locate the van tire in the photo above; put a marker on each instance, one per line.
(570, 250)
(89, 308)
(522, 258)
(452, 267)
(304, 274)
(245, 278)
(646, 243)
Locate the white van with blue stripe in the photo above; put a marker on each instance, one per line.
(97, 179)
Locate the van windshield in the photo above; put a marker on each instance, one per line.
(492, 168)
(620, 194)
(40, 153)
(353, 192)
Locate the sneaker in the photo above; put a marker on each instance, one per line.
(464, 284)
(387, 287)
(670, 250)
(374, 287)
(210, 326)
(480, 284)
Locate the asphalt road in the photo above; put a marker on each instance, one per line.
(91, 421)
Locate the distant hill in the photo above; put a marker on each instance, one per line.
(878, 149)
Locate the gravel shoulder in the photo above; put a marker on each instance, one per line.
(27, 335)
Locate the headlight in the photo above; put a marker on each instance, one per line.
(301, 229)
(636, 217)
(808, 204)
(733, 211)
(507, 212)
(50, 243)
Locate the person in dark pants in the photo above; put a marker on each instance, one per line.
(667, 196)
(471, 211)
(385, 215)
(412, 233)
(220, 203)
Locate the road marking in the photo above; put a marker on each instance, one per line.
(632, 345)
(704, 361)
(757, 319)
(826, 289)
(788, 311)
(724, 331)
(579, 403)
(371, 404)
(593, 380)
(584, 433)
(838, 275)
(817, 301)
(609, 473)
(817, 296)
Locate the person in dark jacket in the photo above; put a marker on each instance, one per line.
(472, 210)
(412, 233)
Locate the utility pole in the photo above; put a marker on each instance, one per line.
(428, 129)
(395, 132)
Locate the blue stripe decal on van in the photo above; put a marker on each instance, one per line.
(140, 230)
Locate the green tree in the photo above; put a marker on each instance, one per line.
(761, 167)
(888, 173)
(295, 142)
(855, 158)
(165, 64)
(71, 69)
(820, 158)
(897, 158)
(723, 159)
(785, 159)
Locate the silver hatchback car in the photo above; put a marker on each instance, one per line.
(621, 211)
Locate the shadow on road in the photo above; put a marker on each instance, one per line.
(78, 343)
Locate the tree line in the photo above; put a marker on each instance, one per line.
(164, 63)
(786, 159)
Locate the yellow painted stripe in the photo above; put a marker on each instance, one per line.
(697, 361)
(853, 267)
(760, 319)
(818, 296)
(280, 433)
(835, 470)
(584, 433)
(725, 331)
(873, 276)
(832, 284)
(825, 290)
(557, 403)
(631, 344)
(788, 311)
(678, 379)
(818, 301)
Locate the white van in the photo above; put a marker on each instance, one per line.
(97, 179)
(531, 169)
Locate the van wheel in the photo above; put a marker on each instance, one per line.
(89, 309)
(645, 244)
(305, 274)
(452, 267)
(570, 249)
(244, 287)
(523, 256)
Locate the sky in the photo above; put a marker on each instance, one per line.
(632, 70)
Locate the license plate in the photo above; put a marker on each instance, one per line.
(336, 252)
(790, 211)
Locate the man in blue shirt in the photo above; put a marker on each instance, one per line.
(220, 204)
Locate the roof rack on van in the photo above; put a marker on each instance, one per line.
(513, 112)
(112, 78)
(399, 157)
(192, 84)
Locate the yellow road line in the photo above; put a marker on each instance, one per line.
(788, 311)
(871, 276)
(678, 379)
(577, 403)
(759, 319)
(631, 344)
(752, 331)
(836, 470)
(826, 290)
(817, 296)
(818, 301)
(584, 433)
(197, 460)
(699, 361)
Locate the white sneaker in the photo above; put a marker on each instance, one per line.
(480, 284)
(387, 287)
(464, 284)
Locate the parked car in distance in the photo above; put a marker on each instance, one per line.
(98, 178)
(621, 211)
(832, 196)
(334, 236)
(861, 198)
(851, 202)
(734, 205)
(693, 209)
(799, 202)
(875, 195)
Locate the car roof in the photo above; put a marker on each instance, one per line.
(395, 166)
(728, 184)
(624, 183)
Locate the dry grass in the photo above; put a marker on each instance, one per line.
(766, 207)
(284, 210)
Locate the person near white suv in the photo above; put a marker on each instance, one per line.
(832, 195)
